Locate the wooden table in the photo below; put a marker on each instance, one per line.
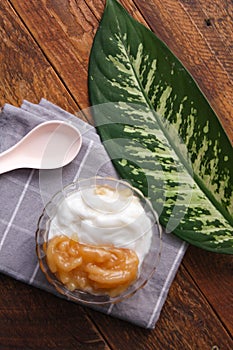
(45, 45)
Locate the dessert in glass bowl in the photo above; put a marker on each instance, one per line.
(98, 240)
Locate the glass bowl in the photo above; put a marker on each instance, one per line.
(134, 234)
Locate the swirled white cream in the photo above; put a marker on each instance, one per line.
(102, 215)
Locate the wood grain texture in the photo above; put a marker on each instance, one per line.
(24, 71)
(214, 22)
(186, 322)
(64, 30)
(97, 7)
(45, 47)
(33, 319)
(183, 26)
(214, 276)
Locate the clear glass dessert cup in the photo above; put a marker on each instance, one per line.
(147, 266)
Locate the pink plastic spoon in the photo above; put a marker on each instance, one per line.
(49, 145)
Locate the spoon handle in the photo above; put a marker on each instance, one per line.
(9, 161)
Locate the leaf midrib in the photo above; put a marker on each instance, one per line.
(180, 156)
(155, 114)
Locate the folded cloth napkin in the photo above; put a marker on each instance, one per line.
(21, 205)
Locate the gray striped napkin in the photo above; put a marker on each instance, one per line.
(21, 205)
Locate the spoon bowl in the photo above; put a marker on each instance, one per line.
(49, 145)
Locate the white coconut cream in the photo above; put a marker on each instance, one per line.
(102, 215)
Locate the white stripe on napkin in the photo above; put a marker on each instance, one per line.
(167, 282)
(16, 209)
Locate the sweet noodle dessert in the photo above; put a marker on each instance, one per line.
(98, 239)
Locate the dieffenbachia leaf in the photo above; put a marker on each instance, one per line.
(147, 103)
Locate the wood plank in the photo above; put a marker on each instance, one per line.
(186, 322)
(97, 7)
(33, 319)
(60, 44)
(66, 42)
(72, 30)
(220, 16)
(175, 25)
(24, 71)
(214, 275)
(214, 22)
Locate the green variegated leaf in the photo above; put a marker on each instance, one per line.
(160, 131)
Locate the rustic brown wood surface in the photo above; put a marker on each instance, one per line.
(44, 51)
